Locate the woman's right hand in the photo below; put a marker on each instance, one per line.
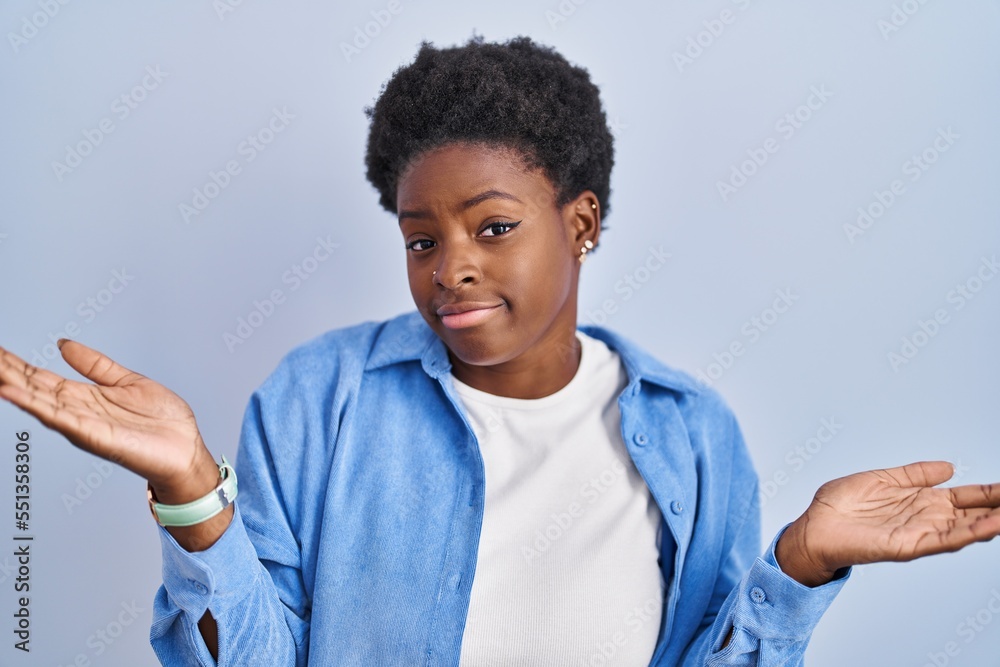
(130, 420)
(124, 417)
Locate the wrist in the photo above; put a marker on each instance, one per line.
(201, 481)
(200, 509)
(797, 561)
(192, 533)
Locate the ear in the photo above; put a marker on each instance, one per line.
(583, 220)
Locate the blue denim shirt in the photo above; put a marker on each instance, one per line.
(355, 533)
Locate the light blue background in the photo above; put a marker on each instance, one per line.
(679, 130)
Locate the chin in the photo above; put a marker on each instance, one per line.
(473, 348)
(486, 345)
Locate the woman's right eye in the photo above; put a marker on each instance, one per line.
(412, 245)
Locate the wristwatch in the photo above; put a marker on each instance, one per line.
(199, 510)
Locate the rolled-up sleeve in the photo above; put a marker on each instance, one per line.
(768, 616)
(772, 606)
(249, 580)
(230, 582)
(771, 616)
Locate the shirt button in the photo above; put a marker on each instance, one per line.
(455, 580)
(198, 586)
(757, 595)
(640, 439)
(676, 507)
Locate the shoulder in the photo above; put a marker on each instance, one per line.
(343, 345)
(333, 357)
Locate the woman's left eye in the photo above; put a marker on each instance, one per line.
(500, 228)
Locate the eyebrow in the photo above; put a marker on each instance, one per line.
(465, 205)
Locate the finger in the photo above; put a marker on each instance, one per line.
(976, 527)
(976, 495)
(43, 385)
(80, 428)
(25, 381)
(990, 529)
(921, 473)
(15, 370)
(94, 365)
(31, 397)
(41, 406)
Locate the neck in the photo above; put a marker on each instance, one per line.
(540, 371)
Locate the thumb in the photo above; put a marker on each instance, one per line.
(92, 364)
(923, 473)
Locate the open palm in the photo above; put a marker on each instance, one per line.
(894, 514)
(124, 417)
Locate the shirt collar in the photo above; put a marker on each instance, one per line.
(407, 337)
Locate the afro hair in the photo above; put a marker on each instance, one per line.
(518, 94)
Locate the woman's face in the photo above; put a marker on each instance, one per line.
(492, 262)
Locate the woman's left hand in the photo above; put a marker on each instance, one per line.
(886, 515)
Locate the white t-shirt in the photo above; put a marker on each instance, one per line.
(567, 571)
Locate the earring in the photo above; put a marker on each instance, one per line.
(587, 245)
(593, 206)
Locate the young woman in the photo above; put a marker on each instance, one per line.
(481, 481)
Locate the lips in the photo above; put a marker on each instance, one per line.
(466, 313)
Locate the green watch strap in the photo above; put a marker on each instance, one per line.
(199, 510)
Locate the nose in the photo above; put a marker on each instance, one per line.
(456, 266)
